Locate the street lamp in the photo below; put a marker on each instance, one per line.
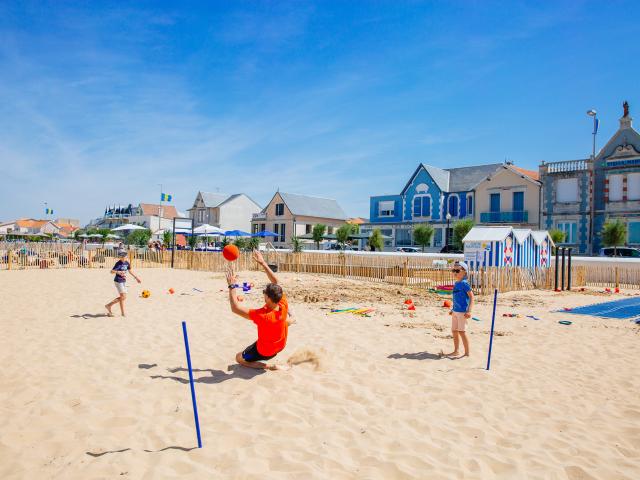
(446, 232)
(594, 114)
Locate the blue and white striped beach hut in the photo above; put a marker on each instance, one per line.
(489, 247)
(543, 247)
(525, 248)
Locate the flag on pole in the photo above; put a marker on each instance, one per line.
(596, 122)
(48, 211)
(165, 198)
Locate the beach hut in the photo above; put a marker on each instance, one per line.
(524, 248)
(542, 248)
(489, 247)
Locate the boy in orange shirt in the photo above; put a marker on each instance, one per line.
(271, 320)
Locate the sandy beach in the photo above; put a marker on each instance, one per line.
(84, 396)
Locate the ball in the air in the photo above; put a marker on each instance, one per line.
(231, 253)
(146, 294)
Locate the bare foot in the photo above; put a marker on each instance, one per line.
(452, 354)
(109, 312)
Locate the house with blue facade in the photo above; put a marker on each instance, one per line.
(432, 194)
(579, 196)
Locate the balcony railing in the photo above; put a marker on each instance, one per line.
(567, 166)
(504, 217)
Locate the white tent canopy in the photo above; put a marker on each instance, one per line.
(207, 230)
(129, 226)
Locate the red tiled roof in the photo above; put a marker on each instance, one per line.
(529, 173)
(30, 223)
(168, 211)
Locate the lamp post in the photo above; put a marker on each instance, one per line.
(592, 113)
(446, 232)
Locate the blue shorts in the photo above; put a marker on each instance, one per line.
(251, 354)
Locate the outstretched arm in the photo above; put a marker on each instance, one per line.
(257, 256)
(233, 300)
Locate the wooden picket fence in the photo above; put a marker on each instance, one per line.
(41, 255)
(420, 271)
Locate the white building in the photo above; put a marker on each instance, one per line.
(227, 212)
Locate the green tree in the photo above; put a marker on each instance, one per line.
(422, 235)
(296, 244)
(342, 234)
(460, 230)
(375, 241)
(318, 233)
(167, 238)
(253, 243)
(614, 234)
(139, 237)
(241, 243)
(557, 236)
(192, 241)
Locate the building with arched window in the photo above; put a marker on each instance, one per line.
(493, 194)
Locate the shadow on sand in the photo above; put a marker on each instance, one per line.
(90, 315)
(416, 356)
(217, 376)
(172, 447)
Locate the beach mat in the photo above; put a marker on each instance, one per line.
(625, 308)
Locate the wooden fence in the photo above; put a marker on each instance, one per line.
(40, 255)
(426, 272)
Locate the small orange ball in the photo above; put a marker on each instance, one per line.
(230, 253)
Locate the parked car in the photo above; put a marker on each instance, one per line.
(620, 252)
(408, 249)
(450, 249)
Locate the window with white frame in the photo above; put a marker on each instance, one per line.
(633, 186)
(422, 206)
(386, 208)
(470, 205)
(570, 230)
(567, 190)
(615, 188)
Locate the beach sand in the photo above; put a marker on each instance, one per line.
(83, 396)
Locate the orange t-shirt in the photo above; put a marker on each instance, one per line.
(272, 327)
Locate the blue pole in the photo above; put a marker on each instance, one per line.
(493, 321)
(193, 390)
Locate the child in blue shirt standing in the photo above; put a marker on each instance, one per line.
(462, 306)
(120, 270)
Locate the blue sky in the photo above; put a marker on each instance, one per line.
(102, 101)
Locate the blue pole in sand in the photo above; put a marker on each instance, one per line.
(193, 390)
(493, 321)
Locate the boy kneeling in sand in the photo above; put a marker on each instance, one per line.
(271, 320)
(461, 311)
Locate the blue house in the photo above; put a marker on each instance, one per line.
(430, 195)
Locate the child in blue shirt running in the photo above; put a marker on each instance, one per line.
(462, 306)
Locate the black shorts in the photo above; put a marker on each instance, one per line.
(251, 354)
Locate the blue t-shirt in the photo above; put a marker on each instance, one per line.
(460, 297)
(121, 266)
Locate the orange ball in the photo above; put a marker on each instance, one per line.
(230, 253)
(446, 304)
